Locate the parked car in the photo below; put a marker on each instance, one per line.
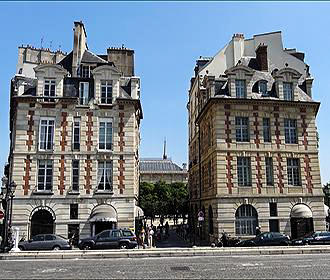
(267, 239)
(45, 242)
(317, 238)
(109, 239)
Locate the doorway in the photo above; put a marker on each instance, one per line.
(42, 222)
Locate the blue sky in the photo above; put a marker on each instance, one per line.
(167, 38)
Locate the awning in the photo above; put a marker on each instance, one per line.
(103, 213)
(138, 212)
(301, 211)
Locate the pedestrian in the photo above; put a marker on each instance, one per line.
(258, 231)
(151, 235)
(167, 229)
(141, 237)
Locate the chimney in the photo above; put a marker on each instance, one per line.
(238, 47)
(262, 60)
(79, 45)
(123, 59)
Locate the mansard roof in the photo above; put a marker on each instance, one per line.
(159, 165)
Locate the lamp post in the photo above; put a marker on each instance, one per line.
(7, 196)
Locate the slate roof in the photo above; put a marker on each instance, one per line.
(89, 57)
(158, 165)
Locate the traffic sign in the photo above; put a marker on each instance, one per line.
(1, 215)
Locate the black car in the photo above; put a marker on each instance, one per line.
(110, 239)
(267, 239)
(317, 238)
(45, 242)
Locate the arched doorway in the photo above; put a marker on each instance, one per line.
(301, 219)
(42, 222)
(246, 220)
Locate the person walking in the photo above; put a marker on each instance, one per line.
(142, 236)
(167, 229)
(258, 231)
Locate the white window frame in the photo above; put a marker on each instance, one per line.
(240, 86)
(48, 120)
(266, 130)
(73, 169)
(293, 170)
(269, 171)
(242, 129)
(262, 87)
(290, 131)
(108, 136)
(51, 91)
(108, 87)
(85, 69)
(83, 93)
(288, 91)
(74, 127)
(105, 175)
(45, 168)
(244, 176)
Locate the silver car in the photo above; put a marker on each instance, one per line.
(45, 242)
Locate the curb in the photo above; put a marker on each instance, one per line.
(158, 253)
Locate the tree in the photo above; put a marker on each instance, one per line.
(164, 199)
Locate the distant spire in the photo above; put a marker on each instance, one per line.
(164, 155)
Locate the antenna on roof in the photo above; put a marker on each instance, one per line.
(41, 41)
(164, 155)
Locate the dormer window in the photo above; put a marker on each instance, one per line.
(106, 92)
(263, 87)
(83, 93)
(288, 91)
(240, 89)
(49, 89)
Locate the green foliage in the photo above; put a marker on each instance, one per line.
(163, 199)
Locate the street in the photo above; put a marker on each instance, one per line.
(313, 266)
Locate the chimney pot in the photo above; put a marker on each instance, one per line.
(261, 56)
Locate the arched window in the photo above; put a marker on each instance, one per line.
(246, 220)
(210, 218)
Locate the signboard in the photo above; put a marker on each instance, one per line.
(1, 215)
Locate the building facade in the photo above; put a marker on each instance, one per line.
(253, 143)
(75, 135)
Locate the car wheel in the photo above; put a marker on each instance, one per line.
(21, 248)
(123, 246)
(86, 247)
(56, 248)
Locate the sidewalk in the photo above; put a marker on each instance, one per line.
(173, 241)
(166, 252)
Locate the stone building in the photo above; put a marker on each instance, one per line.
(153, 170)
(75, 135)
(253, 145)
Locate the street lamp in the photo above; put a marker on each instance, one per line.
(7, 196)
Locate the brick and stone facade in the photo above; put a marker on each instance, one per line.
(216, 152)
(108, 115)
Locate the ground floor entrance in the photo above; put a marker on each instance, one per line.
(42, 222)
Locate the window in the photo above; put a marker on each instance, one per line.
(105, 135)
(242, 129)
(240, 89)
(45, 175)
(85, 71)
(106, 92)
(269, 171)
(273, 209)
(83, 93)
(104, 175)
(290, 131)
(266, 129)
(263, 87)
(246, 220)
(74, 211)
(244, 171)
(49, 237)
(115, 233)
(104, 234)
(49, 90)
(75, 175)
(287, 91)
(127, 233)
(46, 134)
(293, 168)
(274, 226)
(76, 134)
(38, 237)
(210, 173)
